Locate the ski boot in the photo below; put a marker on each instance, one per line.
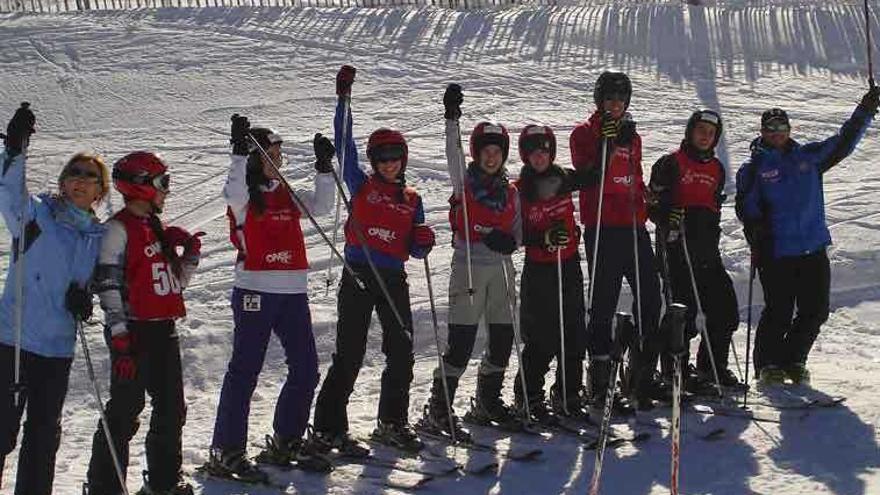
(487, 408)
(771, 376)
(181, 488)
(435, 421)
(340, 443)
(287, 453)
(729, 380)
(600, 376)
(798, 374)
(539, 412)
(397, 435)
(233, 464)
(577, 405)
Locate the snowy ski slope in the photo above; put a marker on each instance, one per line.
(168, 80)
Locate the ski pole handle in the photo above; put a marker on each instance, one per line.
(677, 322)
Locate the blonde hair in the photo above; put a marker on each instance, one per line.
(98, 160)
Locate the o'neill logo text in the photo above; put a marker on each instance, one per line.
(152, 249)
(384, 234)
(284, 257)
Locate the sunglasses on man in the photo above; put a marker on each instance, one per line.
(777, 125)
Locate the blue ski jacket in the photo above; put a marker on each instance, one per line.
(61, 246)
(779, 191)
(354, 178)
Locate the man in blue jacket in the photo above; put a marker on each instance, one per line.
(780, 201)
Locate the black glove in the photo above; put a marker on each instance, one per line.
(556, 236)
(324, 152)
(673, 224)
(19, 130)
(239, 134)
(452, 100)
(755, 234)
(79, 302)
(626, 131)
(500, 242)
(344, 80)
(871, 100)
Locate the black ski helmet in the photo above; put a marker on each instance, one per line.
(612, 83)
(708, 116)
(265, 136)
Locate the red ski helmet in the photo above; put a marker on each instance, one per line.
(486, 133)
(139, 175)
(536, 137)
(386, 145)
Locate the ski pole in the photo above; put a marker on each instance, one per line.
(620, 332)
(701, 316)
(464, 208)
(868, 39)
(304, 209)
(739, 370)
(638, 287)
(678, 349)
(100, 404)
(439, 352)
(357, 228)
(517, 338)
(346, 108)
(598, 227)
(749, 329)
(18, 386)
(561, 332)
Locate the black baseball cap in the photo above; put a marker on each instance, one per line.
(774, 120)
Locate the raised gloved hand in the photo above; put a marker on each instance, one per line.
(239, 134)
(610, 127)
(673, 224)
(192, 245)
(423, 239)
(122, 356)
(626, 131)
(871, 100)
(556, 236)
(78, 301)
(324, 151)
(452, 100)
(344, 80)
(499, 241)
(19, 129)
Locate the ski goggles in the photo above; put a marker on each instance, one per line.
(388, 153)
(161, 182)
(776, 125)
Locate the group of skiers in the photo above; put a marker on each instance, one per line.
(138, 266)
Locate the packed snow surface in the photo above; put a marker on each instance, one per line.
(168, 80)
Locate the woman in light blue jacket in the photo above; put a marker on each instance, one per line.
(62, 237)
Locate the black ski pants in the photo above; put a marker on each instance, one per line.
(800, 283)
(717, 299)
(158, 373)
(539, 317)
(615, 261)
(355, 310)
(45, 387)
